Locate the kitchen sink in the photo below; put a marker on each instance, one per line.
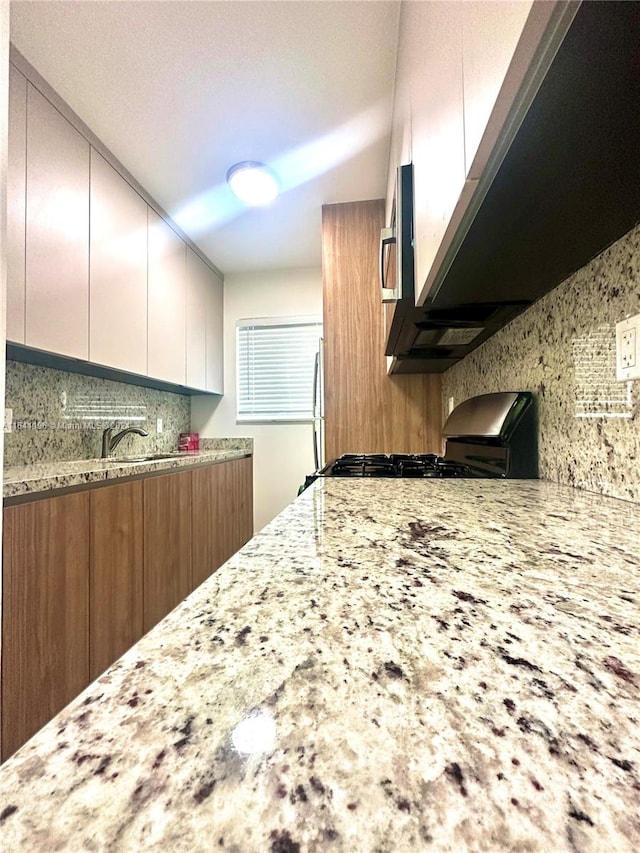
(149, 457)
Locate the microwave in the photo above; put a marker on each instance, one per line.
(396, 258)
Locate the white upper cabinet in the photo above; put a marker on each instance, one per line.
(400, 148)
(57, 232)
(167, 294)
(490, 34)
(197, 283)
(437, 124)
(118, 271)
(94, 273)
(204, 325)
(214, 347)
(16, 201)
(463, 66)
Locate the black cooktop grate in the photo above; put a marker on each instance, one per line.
(394, 465)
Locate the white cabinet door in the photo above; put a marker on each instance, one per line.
(490, 34)
(197, 278)
(167, 302)
(437, 126)
(118, 272)
(400, 148)
(214, 349)
(16, 204)
(57, 232)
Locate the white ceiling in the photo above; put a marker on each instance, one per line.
(180, 91)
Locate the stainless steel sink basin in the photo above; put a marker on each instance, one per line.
(149, 457)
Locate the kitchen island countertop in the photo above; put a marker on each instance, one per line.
(389, 666)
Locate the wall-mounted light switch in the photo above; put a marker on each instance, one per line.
(451, 405)
(8, 420)
(158, 424)
(628, 349)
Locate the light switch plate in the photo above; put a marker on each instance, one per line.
(158, 424)
(8, 420)
(628, 349)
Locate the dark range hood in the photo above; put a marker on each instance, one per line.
(568, 187)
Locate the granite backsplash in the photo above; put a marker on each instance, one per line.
(563, 350)
(59, 416)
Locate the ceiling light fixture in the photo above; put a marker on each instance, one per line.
(252, 182)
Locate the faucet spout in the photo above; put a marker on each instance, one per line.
(110, 442)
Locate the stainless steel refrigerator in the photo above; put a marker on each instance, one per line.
(318, 407)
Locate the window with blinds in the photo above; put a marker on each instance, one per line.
(275, 368)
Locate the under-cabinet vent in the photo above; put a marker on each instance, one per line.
(459, 337)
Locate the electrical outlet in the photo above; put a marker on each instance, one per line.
(8, 420)
(158, 424)
(628, 349)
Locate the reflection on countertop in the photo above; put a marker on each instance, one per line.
(24, 480)
(389, 665)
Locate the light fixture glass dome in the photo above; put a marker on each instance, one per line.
(252, 182)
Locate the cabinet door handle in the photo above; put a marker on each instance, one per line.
(387, 238)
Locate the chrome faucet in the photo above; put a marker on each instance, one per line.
(109, 442)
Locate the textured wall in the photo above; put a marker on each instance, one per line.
(60, 416)
(563, 349)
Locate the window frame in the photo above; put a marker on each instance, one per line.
(312, 320)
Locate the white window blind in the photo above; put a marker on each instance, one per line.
(275, 368)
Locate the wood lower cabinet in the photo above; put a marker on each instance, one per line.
(45, 612)
(116, 569)
(222, 516)
(86, 574)
(167, 544)
(237, 525)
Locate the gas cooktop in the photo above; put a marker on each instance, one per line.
(393, 465)
(492, 435)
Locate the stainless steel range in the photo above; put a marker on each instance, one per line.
(493, 435)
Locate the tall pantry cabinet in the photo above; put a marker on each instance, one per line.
(366, 410)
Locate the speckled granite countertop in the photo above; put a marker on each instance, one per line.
(21, 480)
(389, 666)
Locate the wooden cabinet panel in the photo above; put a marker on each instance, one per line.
(197, 272)
(57, 232)
(85, 575)
(167, 544)
(45, 660)
(365, 409)
(118, 290)
(240, 482)
(167, 302)
(222, 514)
(207, 497)
(16, 205)
(214, 323)
(116, 566)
